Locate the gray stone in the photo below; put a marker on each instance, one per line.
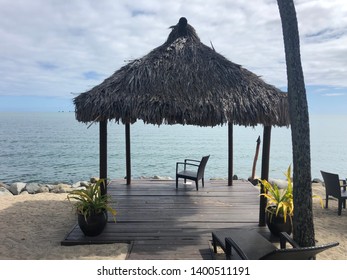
(84, 183)
(317, 180)
(5, 191)
(62, 188)
(24, 193)
(254, 181)
(79, 188)
(282, 184)
(17, 188)
(54, 189)
(94, 179)
(156, 177)
(80, 184)
(4, 185)
(33, 188)
(50, 187)
(43, 189)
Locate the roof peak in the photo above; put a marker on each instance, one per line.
(182, 29)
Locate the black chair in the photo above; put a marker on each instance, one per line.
(248, 244)
(294, 253)
(335, 189)
(196, 174)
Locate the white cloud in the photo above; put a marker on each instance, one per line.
(57, 47)
(334, 94)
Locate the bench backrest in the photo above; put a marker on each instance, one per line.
(202, 165)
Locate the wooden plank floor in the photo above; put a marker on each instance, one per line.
(161, 222)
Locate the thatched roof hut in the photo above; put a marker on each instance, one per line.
(184, 81)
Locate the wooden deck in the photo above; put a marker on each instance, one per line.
(161, 222)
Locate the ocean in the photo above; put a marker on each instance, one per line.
(54, 147)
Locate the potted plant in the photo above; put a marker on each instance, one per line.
(92, 208)
(280, 206)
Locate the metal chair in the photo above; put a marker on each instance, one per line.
(194, 175)
(335, 189)
(294, 253)
(247, 244)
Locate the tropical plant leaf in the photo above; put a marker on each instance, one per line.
(90, 200)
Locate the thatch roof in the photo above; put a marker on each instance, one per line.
(186, 82)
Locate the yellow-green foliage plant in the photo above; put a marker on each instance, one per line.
(279, 201)
(90, 201)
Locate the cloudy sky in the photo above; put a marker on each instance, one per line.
(51, 49)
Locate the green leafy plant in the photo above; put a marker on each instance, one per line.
(90, 201)
(279, 201)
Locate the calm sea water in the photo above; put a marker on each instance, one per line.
(54, 147)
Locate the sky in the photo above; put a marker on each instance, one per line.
(51, 50)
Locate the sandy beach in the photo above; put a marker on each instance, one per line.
(32, 227)
(329, 227)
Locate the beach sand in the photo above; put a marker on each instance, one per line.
(329, 227)
(32, 227)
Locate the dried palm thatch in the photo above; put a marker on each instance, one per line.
(184, 82)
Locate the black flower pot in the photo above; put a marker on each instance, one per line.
(94, 224)
(276, 224)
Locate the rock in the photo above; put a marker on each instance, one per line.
(317, 180)
(43, 189)
(79, 188)
(54, 189)
(235, 177)
(4, 191)
(76, 185)
(80, 184)
(156, 177)
(84, 183)
(94, 179)
(33, 188)
(254, 181)
(50, 187)
(24, 193)
(17, 188)
(62, 188)
(3, 185)
(282, 184)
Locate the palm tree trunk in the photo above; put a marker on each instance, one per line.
(303, 228)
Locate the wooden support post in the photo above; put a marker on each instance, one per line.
(230, 154)
(127, 153)
(265, 163)
(103, 155)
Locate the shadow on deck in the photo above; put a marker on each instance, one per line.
(164, 223)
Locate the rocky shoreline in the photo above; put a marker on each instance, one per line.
(21, 188)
